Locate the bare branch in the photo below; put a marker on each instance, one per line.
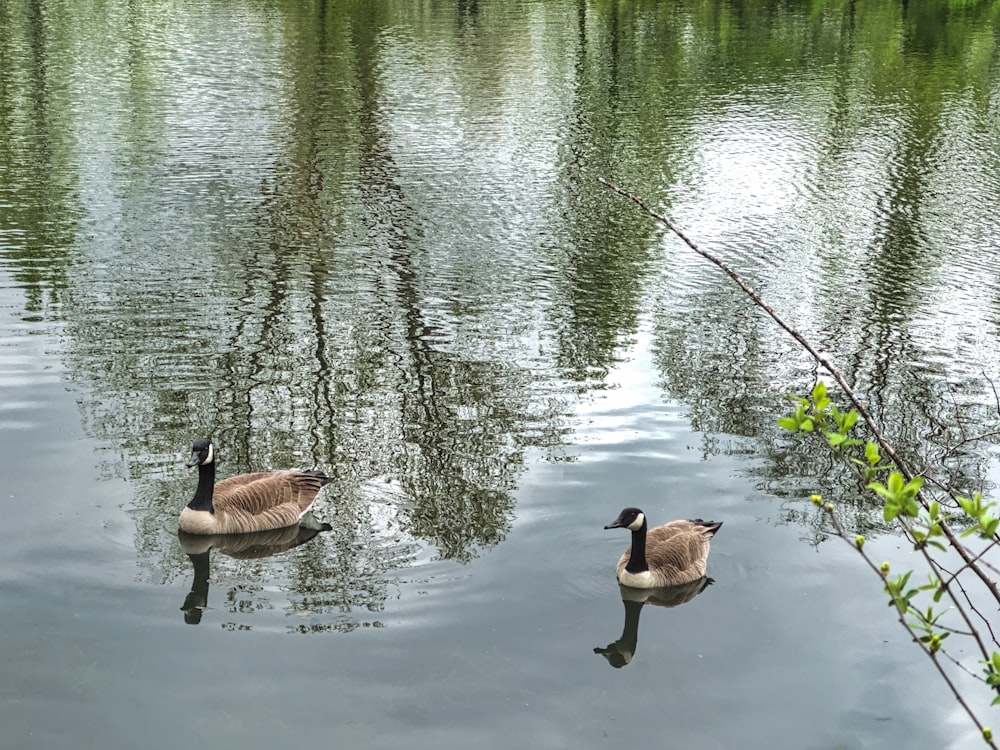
(996, 395)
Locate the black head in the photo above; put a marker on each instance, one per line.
(632, 519)
(202, 452)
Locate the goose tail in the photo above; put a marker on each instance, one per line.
(309, 522)
(710, 527)
(317, 473)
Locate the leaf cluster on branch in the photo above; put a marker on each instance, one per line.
(930, 524)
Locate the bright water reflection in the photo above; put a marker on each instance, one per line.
(370, 238)
(619, 653)
(256, 546)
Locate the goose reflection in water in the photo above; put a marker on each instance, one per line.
(239, 547)
(620, 652)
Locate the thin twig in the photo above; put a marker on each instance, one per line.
(996, 395)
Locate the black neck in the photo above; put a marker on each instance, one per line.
(206, 483)
(637, 560)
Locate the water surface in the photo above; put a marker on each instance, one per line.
(371, 239)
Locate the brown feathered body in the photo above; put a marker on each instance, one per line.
(667, 555)
(255, 502)
(249, 502)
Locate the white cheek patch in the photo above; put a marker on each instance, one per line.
(637, 523)
(211, 454)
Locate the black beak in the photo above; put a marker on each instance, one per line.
(616, 524)
(194, 460)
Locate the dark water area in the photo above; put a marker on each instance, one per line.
(370, 238)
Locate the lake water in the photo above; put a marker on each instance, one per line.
(369, 237)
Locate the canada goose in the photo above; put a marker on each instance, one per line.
(665, 556)
(620, 652)
(248, 502)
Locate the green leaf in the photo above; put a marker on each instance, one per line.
(849, 420)
(806, 424)
(891, 510)
(819, 391)
(972, 506)
(871, 453)
(880, 489)
(835, 438)
(895, 483)
(789, 423)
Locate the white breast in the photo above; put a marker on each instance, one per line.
(198, 522)
(643, 580)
